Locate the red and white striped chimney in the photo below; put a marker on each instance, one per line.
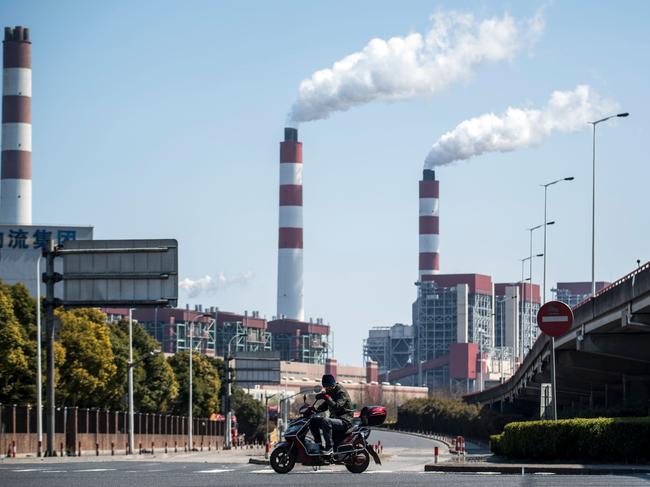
(16, 180)
(429, 244)
(290, 286)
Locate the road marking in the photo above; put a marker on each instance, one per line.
(216, 470)
(94, 470)
(487, 473)
(544, 473)
(264, 470)
(27, 470)
(380, 471)
(53, 471)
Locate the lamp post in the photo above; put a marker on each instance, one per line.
(131, 363)
(190, 428)
(545, 186)
(130, 380)
(266, 418)
(593, 200)
(227, 443)
(522, 321)
(531, 230)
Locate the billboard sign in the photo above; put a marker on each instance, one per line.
(120, 273)
(22, 245)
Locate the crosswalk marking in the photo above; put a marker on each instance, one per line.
(94, 470)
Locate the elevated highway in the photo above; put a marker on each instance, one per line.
(602, 362)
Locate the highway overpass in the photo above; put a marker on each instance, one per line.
(602, 362)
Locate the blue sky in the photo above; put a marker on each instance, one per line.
(162, 119)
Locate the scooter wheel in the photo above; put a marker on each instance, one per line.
(358, 463)
(283, 459)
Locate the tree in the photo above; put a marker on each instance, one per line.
(17, 378)
(87, 375)
(251, 419)
(154, 384)
(206, 384)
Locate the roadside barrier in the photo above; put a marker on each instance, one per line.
(436, 453)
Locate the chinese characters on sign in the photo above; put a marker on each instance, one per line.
(20, 238)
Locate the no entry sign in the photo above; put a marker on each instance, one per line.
(555, 318)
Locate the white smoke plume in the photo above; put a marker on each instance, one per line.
(210, 285)
(415, 65)
(566, 111)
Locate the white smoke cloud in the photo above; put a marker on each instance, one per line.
(210, 285)
(414, 65)
(566, 111)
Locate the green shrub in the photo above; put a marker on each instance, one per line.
(450, 416)
(596, 439)
(495, 444)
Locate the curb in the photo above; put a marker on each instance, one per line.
(532, 469)
(257, 461)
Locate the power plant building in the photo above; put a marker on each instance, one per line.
(390, 346)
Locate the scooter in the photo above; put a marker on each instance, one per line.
(350, 447)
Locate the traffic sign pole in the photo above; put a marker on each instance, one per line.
(553, 382)
(555, 319)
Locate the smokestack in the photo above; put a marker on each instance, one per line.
(16, 179)
(429, 245)
(290, 288)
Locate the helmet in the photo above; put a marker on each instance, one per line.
(328, 380)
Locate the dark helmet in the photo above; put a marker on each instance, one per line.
(328, 380)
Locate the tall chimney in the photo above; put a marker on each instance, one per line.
(290, 287)
(429, 245)
(16, 179)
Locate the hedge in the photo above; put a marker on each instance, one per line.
(451, 416)
(598, 439)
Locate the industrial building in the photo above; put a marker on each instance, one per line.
(466, 330)
(515, 317)
(214, 330)
(574, 293)
(390, 346)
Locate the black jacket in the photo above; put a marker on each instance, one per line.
(339, 404)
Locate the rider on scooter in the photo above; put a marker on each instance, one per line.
(337, 401)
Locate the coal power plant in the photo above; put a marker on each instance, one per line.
(467, 331)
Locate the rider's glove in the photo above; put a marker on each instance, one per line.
(322, 395)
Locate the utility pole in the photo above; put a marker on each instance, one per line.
(130, 385)
(50, 278)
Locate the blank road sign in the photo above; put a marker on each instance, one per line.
(120, 273)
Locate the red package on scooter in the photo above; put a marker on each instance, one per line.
(373, 415)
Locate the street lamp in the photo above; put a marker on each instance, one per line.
(545, 186)
(131, 363)
(531, 230)
(227, 434)
(593, 200)
(522, 324)
(266, 417)
(190, 428)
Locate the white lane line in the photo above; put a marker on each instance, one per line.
(264, 470)
(216, 470)
(94, 470)
(27, 470)
(53, 471)
(380, 471)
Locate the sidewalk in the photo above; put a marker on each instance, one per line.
(532, 468)
(215, 456)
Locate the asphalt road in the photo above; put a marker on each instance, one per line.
(406, 456)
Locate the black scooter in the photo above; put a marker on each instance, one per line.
(350, 447)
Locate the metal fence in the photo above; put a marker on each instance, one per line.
(81, 430)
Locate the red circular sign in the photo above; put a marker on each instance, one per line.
(555, 318)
